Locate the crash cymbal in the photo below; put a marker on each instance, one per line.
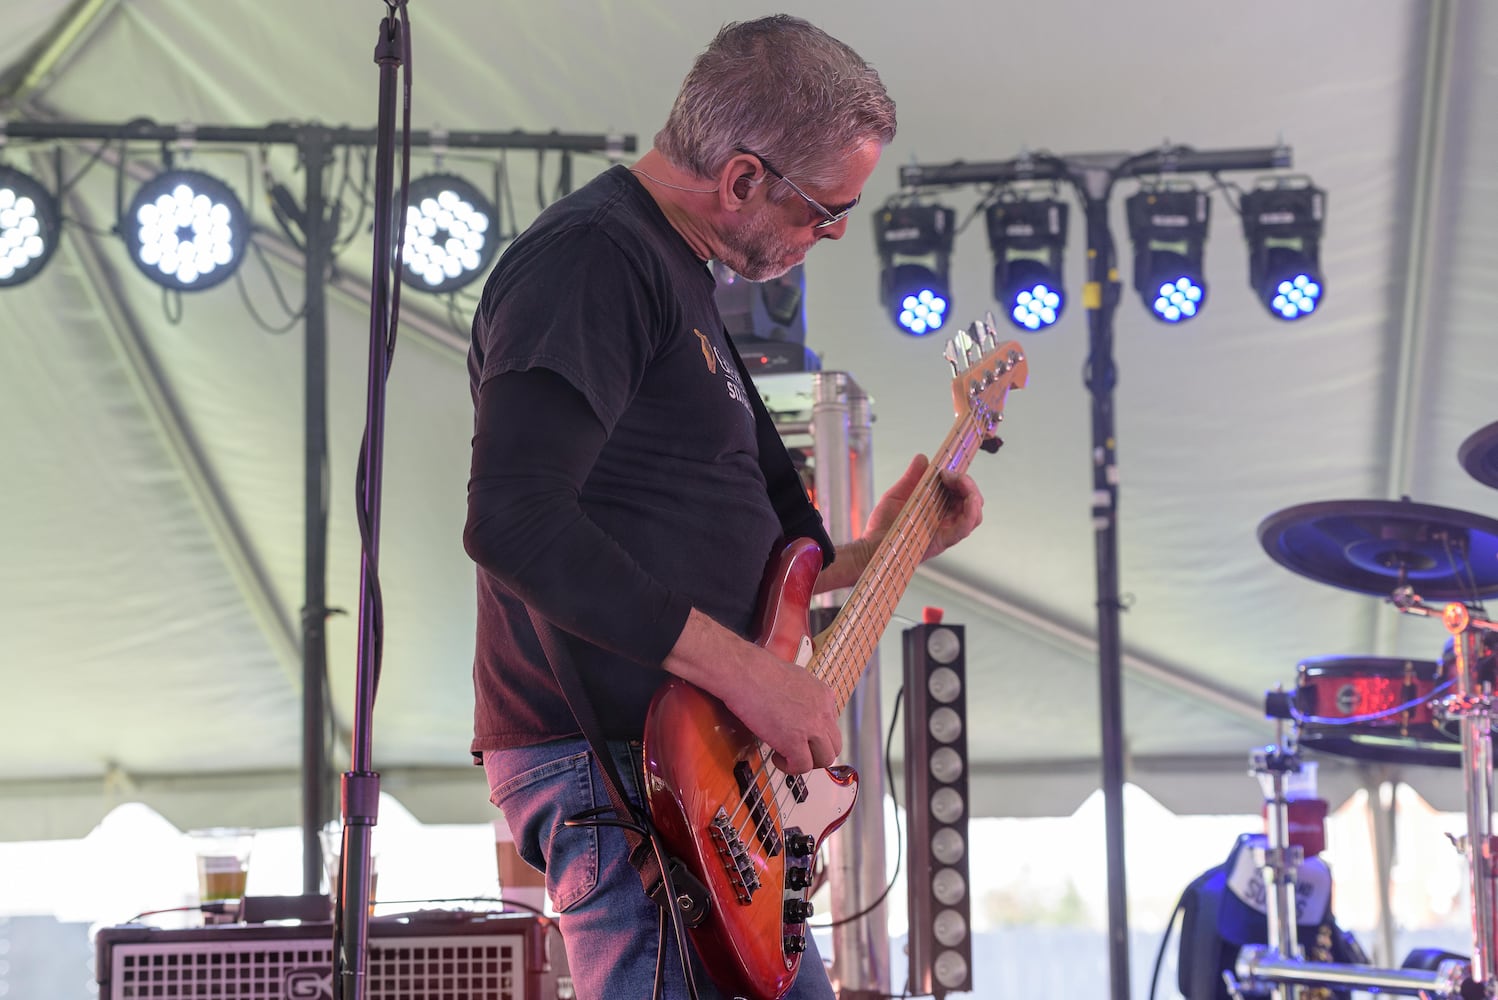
(1479, 455)
(1376, 546)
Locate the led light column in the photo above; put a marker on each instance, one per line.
(936, 803)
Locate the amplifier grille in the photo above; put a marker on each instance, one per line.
(467, 967)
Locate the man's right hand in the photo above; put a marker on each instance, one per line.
(792, 711)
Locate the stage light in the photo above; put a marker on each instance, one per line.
(915, 247)
(766, 320)
(186, 230)
(28, 226)
(1027, 238)
(451, 233)
(1169, 229)
(938, 888)
(1283, 225)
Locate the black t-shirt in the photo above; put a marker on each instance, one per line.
(670, 508)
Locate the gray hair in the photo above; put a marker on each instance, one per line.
(783, 88)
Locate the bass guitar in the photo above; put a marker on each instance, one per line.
(748, 831)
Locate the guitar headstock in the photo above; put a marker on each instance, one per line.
(984, 370)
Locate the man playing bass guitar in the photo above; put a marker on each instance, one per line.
(623, 492)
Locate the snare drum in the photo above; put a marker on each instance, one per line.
(1374, 708)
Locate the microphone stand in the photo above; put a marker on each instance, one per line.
(361, 784)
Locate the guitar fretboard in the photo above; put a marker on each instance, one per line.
(850, 641)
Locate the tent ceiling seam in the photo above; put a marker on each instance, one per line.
(57, 48)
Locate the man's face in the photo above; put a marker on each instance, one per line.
(776, 236)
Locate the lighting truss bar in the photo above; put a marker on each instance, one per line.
(612, 145)
(1040, 168)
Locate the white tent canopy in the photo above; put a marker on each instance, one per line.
(152, 573)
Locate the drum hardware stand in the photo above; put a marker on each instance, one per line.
(1278, 966)
(1472, 706)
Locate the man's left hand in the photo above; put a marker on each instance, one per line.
(965, 514)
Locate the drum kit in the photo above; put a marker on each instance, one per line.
(1429, 562)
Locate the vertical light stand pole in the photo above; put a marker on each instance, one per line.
(315, 150)
(1100, 296)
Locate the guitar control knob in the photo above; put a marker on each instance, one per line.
(801, 845)
(794, 944)
(798, 878)
(797, 910)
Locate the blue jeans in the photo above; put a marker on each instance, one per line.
(610, 928)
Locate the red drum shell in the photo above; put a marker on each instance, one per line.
(1345, 687)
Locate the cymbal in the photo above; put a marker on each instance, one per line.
(1376, 546)
(1479, 455)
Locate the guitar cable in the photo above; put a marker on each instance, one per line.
(889, 777)
(596, 818)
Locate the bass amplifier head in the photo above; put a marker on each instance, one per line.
(420, 956)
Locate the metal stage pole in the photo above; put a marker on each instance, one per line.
(315, 153)
(1100, 296)
(841, 441)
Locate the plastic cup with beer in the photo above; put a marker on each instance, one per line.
(223, 866)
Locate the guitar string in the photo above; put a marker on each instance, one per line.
(784, 797)
(961, 445)
(917, 515)
(920, 519)
(764, 774)
(924, 515)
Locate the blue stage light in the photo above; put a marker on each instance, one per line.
(918, 299)
(1169, 230)
(1283, 225)
(1027, 237)
(915, 244)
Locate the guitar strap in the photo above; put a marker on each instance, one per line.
(690, 895)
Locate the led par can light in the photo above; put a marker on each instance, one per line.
(29, 226)
(451, 234)
(186, 230)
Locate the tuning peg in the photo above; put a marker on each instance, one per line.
(957, 360)
(990, 332)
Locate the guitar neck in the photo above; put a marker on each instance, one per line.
(849, 642)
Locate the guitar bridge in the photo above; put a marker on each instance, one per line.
(735, 857)
(764, 823)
